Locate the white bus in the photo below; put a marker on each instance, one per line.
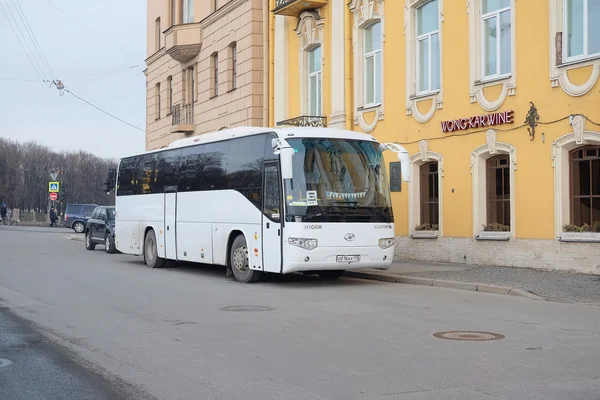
(261, 200)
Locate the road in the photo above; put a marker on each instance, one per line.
(119, 329)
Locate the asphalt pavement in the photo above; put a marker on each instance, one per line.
(189, 332)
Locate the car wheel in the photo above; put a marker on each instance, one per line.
(89, 244)
(109, 243)
(78, 227)
(239, 262)
(151, 257)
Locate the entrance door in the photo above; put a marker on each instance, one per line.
(170, 222)
(272, 214)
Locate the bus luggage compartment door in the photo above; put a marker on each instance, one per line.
(170, 223)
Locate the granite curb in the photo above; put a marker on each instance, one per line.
(471, 286)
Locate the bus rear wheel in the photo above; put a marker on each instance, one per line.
(151, 257)
(239, 262)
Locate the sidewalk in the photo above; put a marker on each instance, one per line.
(540, 285)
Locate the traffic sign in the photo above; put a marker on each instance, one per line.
(53, 196)
(53, 187)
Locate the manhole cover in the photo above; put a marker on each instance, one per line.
(468, 335)
(247, 308)
(4, 362)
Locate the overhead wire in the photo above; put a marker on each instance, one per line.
(23, 17)
(91, 30)
(104, 111)
(33, 62)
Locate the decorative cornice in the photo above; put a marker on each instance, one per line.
(161, 52)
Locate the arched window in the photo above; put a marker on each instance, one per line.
(498, 190)
(430, 196)
(585, 185)
(315, 81)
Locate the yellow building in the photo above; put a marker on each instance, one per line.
(497, 101)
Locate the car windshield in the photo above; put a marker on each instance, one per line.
(337, 180)
(111, 213)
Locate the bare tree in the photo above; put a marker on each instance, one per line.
(25, 172)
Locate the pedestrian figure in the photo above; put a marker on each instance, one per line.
(52, 217)
(3, 213)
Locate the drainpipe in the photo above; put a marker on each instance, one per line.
(266, 63)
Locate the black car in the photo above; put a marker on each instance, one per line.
(77, 215)
(100, 229)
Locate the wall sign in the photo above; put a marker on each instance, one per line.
(395, 176)
(478, 121)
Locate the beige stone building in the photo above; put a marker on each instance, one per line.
(206, 67)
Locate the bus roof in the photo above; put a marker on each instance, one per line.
(282, 133)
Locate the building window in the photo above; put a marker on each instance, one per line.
(233, 66)
(582, 31)
(214, 60)
(157, 34)
(157, 101)
(496, 42)
(428, 48)
(169, 94)
(172, 12)
(585, 186)
(191, 93)
(430, 197)
(498, 191)
(314, 81)
(188, 11)
(372, 62)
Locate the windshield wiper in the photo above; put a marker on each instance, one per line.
(310, 216)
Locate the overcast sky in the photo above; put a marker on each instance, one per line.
(31, 111)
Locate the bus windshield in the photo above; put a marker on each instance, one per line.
(337, 180)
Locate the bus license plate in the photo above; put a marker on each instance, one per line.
(347, 259)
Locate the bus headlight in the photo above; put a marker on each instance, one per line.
(308, 244)
(386, 243)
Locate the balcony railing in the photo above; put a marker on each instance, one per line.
(182, 118)
(311, 121)
(294, 8)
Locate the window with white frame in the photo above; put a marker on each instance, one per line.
(582, 29)
(188, 11)
(428, 48)
(314, 81)
(496, 29)
(372, 63)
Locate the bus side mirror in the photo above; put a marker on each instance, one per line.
(405, 164)
(286, 154)
(403, 157)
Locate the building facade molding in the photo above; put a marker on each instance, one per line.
(561, 149)
(310, 32)
(412, 97)
(417, 160)
(281, 68)
(365, 13)
(479, 156)
(477, 83)
(337, 118)
(559, 71)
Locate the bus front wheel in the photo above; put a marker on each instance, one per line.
(239, 263)
(151, 257)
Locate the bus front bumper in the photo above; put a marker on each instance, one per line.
(336, 258)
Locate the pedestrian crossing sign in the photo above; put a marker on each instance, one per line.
(53, 187)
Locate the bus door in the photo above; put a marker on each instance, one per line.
(271, 218)
(170, 222)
